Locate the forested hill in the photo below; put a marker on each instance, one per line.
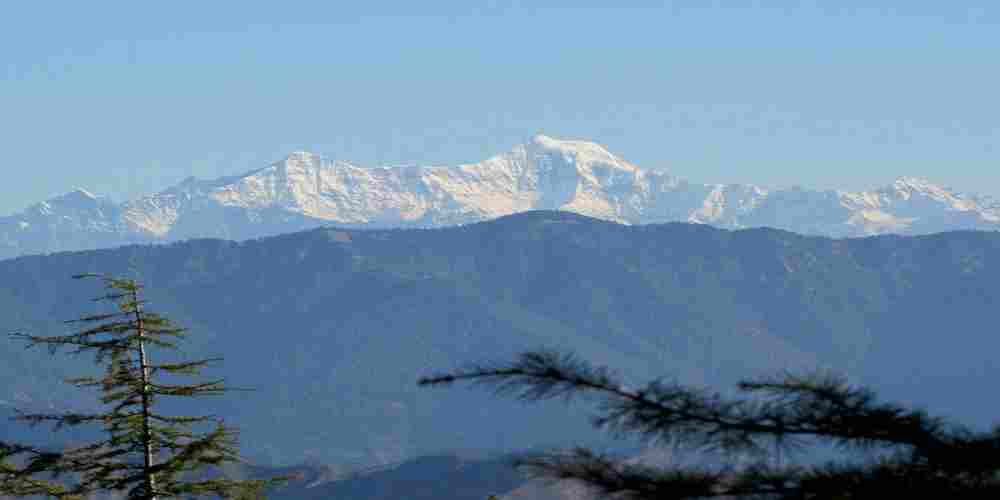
(332, 327)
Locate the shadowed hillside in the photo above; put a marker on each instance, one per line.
(332, 327)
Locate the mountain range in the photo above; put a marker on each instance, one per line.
(449, 476)
(333, 326)
(305, 190)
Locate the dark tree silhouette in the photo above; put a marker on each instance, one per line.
(906, 452)
(145, 453)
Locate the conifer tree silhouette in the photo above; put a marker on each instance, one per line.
(145, 453)
(908, 453)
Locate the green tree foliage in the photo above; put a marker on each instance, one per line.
(890, 450)
(144, 453)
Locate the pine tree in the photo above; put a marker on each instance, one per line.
(887, 450)
(145, 453)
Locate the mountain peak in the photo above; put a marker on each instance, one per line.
(580, 154)
(907, 187)
(305, 190)
(917, 184)
(549, 142)
(83, 192)
(77, 196)
(79, 193)
(542, 140)
(302, 157)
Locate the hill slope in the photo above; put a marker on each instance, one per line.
(333, 326)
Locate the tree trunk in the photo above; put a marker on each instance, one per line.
(147, 436)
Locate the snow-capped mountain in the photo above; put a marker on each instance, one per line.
(305, 190)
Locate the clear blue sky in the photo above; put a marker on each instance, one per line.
(123, 98)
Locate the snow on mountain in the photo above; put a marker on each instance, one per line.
(306, 190)
(75, 220)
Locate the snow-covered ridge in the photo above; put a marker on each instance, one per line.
(306, 190)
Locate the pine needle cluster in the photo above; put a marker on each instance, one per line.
(888, 450)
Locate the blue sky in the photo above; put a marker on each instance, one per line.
(124, 98)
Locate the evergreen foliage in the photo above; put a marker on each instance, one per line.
(891, 451)
(144, 453)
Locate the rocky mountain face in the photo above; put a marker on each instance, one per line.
(305, 191)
